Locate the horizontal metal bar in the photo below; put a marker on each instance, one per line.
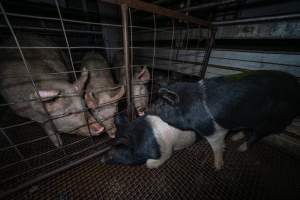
(77, 47)
(45, 137)
(257, 19)
(58, 19)
(152, 8)
(77, 21)
(65, 167)
(51, 29)
(54, 161)
(208, 5)
(57, 73)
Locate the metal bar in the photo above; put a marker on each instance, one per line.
(78, 47)
(148, 7)
(52, 162)
(72, 64)
(57, 19)
(131, 62)
(171, 50)
(66, 38)
(124, 10)
(75, 21)
(16, 75)
(69, 95)
(153, 58)
(208, 5)
(207, 52)
(257, 19)
(11, 143)
(49, 174)
(28, 69)
(52, 29)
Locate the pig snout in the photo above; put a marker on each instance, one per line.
(96, 129)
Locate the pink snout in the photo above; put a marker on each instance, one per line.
(96, 129)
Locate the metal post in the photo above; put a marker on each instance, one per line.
(208, 49)
(124, 9)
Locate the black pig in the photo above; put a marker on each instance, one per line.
(264, 102)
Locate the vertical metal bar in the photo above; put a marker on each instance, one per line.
(131, 62)
(198, 52)
(66, 38)
(171, 50)
(73, 68)
(153, 58)
(28, 71)
(124, 10)
(11, 143)
(208, 49)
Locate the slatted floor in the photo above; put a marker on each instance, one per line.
(263, 172)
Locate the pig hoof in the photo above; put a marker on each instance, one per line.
(240, 135)
(152, 163)
(243, 147)
(219, 165)
(112, 135)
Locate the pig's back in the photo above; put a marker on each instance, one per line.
(249, 99)
(45, 66)
(99, 72)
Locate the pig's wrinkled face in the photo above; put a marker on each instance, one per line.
(104, 107)
(66, 107)
(140, 98)
(134, 145)
(73, 119)
(140, 91)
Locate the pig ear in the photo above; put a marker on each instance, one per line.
(143, 74)
(80, 83)
(119, 94)
(46, 94)
(170, 96)
(90, 100)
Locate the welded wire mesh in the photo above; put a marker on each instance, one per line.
(261, 173)
(26, 152)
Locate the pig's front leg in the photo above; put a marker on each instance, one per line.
(165, 151)
(238, 136)
(55, 138)
(216, 141)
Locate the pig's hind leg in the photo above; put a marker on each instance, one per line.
(165, 152)
(238, 136)
(217, 144)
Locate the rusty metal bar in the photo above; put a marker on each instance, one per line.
(208, 52)
(148, 7)
(208, 5)
(124, 10)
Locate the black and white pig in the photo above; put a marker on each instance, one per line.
(62, 99)
(101, 95)
(264, 102)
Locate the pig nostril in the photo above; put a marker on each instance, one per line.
(99, 129)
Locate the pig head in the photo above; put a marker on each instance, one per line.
(141, 77)
(61, 99)
(102, 95)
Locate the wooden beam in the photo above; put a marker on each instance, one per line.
(148, 7)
